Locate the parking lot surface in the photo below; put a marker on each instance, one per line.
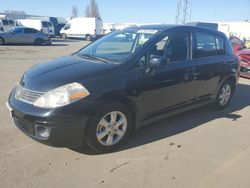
(200, 148)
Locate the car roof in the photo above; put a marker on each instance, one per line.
(165, 27)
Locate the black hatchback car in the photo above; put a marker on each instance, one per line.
(122, 81)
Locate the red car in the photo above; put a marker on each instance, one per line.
(243, 54)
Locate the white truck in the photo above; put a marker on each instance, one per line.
(87, 28)
(43, 26)
(6, 24)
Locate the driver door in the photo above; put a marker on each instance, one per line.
(172, 85)
(16, 36)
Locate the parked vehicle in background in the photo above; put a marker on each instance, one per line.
(57, 22)
(243, 54)
(24, 35)
(6, 24)
(43, 26)
(119, 83)
(87, 28)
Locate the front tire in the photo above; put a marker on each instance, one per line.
(39, 42)
(224, 95)
(64, 36)
(88, 38)
(1, 41)
(109, 128)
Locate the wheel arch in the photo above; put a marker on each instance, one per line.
(115, 98)
(230, 78)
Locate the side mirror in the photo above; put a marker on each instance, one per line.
(157, 61)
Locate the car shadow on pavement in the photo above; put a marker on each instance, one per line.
(59, 44)
(45, 45)
(184, 122)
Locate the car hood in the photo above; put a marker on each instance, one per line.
(65, 70)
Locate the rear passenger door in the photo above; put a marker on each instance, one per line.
(209, 54)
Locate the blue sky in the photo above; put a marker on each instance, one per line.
(136, 10)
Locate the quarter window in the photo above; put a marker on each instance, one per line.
(220, 46)
(204, 45)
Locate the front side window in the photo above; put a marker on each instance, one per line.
(204, 45)
(11, 22)
(67, 26)
(29, 30)
(118, 46)
(173, 47)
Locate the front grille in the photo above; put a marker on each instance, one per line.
(26, 95)
(25, 125)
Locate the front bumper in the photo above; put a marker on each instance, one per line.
(65, 126)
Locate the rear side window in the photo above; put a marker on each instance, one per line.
(204, 45)
(220, 46)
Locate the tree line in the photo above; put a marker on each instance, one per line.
(91, 11)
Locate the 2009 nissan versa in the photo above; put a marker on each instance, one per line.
(122, 81)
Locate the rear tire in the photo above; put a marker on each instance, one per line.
(88, 38)
(1, 41)
(109, 128)
(224, 95)
(39, 42)
(64, 36)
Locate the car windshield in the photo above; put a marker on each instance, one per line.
(117, 46)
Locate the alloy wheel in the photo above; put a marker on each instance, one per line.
(112, 128)
(225, 94)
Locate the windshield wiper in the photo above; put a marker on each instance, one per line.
(95, 57)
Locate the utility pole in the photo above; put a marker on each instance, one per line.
(184, 11)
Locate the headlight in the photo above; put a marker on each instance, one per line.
(62, 96)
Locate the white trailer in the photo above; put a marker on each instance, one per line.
(237, 29)
(87, 28)
(108, 27)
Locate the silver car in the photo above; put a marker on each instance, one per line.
(24, 35)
